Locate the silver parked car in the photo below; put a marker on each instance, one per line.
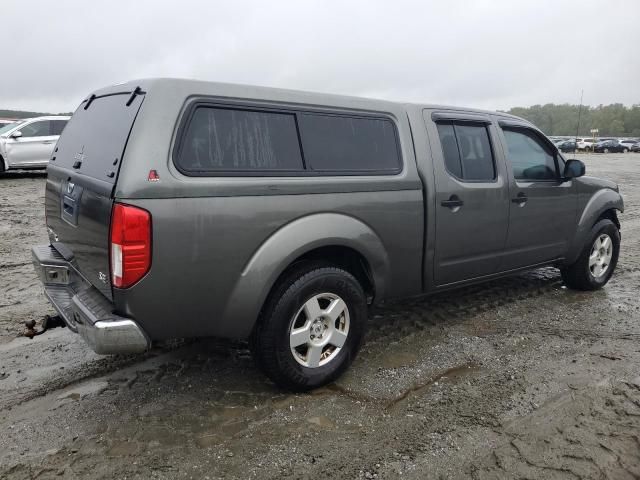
(29, 143)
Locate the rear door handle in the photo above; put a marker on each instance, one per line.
(521, 199)
(453, 202)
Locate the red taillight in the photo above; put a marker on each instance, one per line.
(130, 244)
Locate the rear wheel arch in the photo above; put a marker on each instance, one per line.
(340, 256)
(335, 239)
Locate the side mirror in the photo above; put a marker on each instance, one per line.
(573, 169)
(16, 134)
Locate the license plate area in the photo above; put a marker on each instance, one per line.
(70, 202)
(55, 275)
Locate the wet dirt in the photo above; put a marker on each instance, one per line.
(517, 378)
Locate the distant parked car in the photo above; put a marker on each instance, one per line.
(29, 143)
(585, 143)
(567, 146)
(610, 146)
(628, 143)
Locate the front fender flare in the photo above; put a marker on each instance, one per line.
(602, 201)
(289, 243)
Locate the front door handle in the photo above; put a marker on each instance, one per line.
(453, 202)
(520, 199)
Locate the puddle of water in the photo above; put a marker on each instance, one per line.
(322, 422)
(399, 360)
(123, 449)
(84, 390)
(225, 421)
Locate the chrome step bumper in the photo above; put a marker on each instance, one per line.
(83, 308)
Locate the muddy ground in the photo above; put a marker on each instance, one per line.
(518, 378)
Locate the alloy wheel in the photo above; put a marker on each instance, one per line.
(601, 254)
(319, 330)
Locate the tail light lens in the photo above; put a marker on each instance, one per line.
(130, 244)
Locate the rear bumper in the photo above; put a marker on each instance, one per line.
(83, 308)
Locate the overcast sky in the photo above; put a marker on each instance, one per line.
(488, 54)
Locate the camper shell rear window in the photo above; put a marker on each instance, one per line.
(94, 139)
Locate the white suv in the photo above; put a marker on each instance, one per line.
(29, 143)
(585, 143)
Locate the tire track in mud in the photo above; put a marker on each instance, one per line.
(590, 434)
(395, 321)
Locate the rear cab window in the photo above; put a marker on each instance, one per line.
(243, 141)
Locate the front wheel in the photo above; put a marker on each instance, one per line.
(625, 150)
(598, 259)
(311, 328)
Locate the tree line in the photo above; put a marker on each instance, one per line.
(24, 114)
(613, 120)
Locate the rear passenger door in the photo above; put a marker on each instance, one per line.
(542, 206)
(471, 208)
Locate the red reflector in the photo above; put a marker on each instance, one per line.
(153, 176)
(130, 244)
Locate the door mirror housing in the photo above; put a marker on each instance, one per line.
(573, 169)
(16, 134)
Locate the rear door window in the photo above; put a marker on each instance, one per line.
(228, 140)
(467, 151)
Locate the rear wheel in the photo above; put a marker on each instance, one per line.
(598, 259)
(311, 328)
(625, 150)
(606, 150)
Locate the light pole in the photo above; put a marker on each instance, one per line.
(594, 134)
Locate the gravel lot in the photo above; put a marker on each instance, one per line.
(518, 378)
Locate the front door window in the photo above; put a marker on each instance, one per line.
(530, 160)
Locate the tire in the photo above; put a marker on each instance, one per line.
(298, 351)
(585, 274)
(625, 150)
(606, 150)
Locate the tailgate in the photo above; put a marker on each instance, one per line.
(81, 178)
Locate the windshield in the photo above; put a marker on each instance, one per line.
(8, 127)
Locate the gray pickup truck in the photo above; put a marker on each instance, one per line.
(179, 208)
